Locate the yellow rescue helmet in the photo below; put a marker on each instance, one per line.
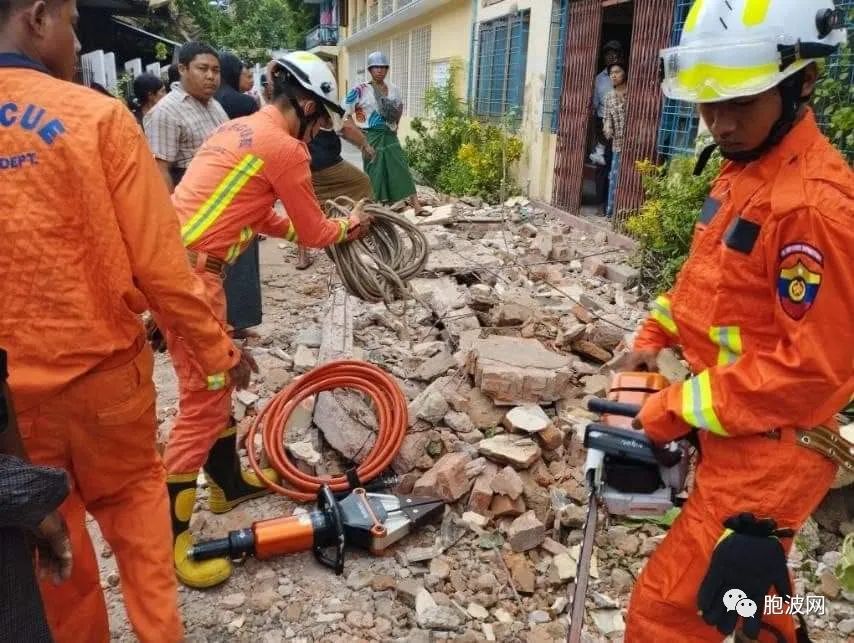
(734, 48)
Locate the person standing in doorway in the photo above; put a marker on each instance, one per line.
(612, 53)
(242, 282)
(376, 108)
(614, 127)
(183, 120)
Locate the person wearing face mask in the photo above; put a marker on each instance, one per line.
(225, 199)
(614, 127)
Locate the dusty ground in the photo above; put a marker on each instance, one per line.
(293, 598)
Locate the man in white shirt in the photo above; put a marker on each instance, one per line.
(612, 52)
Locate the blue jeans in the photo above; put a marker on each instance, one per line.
(612, 184)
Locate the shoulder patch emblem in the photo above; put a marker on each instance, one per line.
(797, 283)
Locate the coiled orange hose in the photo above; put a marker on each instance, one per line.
(392, 420)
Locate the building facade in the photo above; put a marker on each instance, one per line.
(532, 64)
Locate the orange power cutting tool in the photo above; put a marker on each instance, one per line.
(367, 520)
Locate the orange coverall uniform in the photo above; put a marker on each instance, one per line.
(89, 240)
(223, 201)
(762, 310)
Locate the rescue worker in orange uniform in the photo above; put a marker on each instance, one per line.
(762, 310)
(223, 201)
(90, 241)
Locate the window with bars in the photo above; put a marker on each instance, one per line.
(501, 63)
(357, 64)
(679, 121)
(387, 8)
(419, 70)
(399, 58)
(554, 68)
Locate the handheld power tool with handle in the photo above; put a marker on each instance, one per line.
(370, 521)
(624, 471)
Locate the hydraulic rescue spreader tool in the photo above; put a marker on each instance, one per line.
(370, 521)
(624, 471)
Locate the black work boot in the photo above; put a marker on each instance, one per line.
(228, 484)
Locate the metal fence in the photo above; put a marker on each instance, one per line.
(554, 67)
(501, 63)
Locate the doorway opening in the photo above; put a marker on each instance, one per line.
(616, 29)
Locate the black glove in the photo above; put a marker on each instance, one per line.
(748, 559)
(155, 336)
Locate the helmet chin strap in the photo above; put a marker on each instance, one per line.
(304, 121)
(790, 93)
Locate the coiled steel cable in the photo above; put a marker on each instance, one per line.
(378, 267)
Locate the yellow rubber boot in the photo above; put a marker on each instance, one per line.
(198, 574)
(228, 484)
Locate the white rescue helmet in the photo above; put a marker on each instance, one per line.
(315, 76)
(735, 48)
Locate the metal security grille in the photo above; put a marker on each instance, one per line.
(844, 62)
(649, 34)
(373, 9)
(357, 64)
(362, 20)
(679, 121)
(554, 68)
(400, 65)
(584, 33)
(502, 60)
(387, 8)
(419, 70)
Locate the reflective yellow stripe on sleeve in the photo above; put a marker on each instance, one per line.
(661, 313)
(344, 228)
(728, 338)
(224, 194)
(291, 234)
(217, 381)
(698, 406)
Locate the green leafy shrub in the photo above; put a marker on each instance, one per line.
(665, 223)
(455, 153)
(834, 100)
